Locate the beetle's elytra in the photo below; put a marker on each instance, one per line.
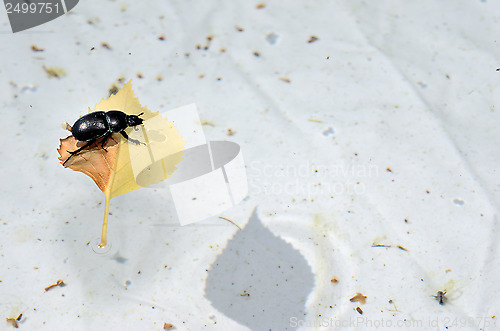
(101, 124)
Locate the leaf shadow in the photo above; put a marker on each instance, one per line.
(259, 280)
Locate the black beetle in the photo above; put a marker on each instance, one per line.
(100, 124)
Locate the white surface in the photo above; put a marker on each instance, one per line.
(405, 86)
(188, 123)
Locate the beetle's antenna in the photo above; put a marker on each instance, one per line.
(141, 114)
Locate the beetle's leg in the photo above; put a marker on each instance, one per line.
(103, 143)
(64, 163)
(125, 135)
(73, 153)
(79, 149)
(135, 141)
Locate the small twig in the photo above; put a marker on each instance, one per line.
(60, 282)
(227, 219)
(389, 246)
(245, 294)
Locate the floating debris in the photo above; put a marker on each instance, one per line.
(105, 45)
(60, 283)
(54, 72)
(168, 326)
(358, 298)
(34, 48)
(441, 297)
(13, 321)
(312, 39)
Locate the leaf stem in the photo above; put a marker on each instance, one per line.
(108, 196)
(104, 242)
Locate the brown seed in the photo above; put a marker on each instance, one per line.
(168, 326)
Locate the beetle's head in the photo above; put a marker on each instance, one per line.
(133, 120)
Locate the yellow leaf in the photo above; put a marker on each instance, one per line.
(124, 100)
(114, 163)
